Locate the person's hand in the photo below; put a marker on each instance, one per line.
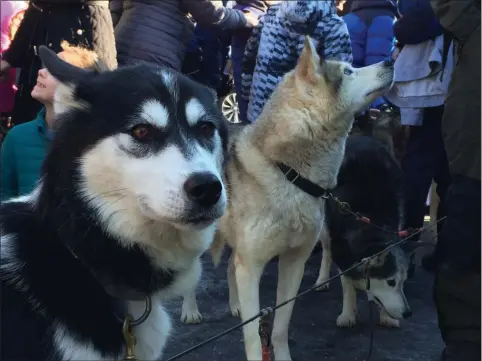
(251, 19)
(4, 68)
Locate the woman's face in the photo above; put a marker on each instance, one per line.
(46, 84)
(45, 88)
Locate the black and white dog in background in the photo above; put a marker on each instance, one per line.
(128, 201)
(370, 181)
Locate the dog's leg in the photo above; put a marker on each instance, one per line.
(387, 321)
(326, 260)
(347, 317)
(248, 275)
(190, 312)
(233, 288)
(290, 272)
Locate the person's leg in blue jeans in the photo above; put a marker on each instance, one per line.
(238, 44)
(424, 160)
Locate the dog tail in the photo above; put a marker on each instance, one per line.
(217, 248)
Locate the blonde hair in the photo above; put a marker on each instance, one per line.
(82, 57)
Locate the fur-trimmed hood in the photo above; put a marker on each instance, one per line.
(302, 11)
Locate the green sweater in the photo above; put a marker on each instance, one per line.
(23, 152)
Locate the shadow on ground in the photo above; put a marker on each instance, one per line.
(313, 332)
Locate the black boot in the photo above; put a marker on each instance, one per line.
(461, 351)
(457, 297)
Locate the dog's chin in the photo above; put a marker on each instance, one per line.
(381, 306)
(379, 91)
(193, 224)
(187, 222)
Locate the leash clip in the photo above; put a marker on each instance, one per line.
(129, 337)
(130, 340)
(264, 334)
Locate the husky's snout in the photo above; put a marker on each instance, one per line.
(204, 189)
(407, 313)
(392, 301)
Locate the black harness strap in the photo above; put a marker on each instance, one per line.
(304, 184)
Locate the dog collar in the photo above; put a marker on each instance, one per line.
(304, 184)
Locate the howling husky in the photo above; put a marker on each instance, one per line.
(278, 170)
(128, 201)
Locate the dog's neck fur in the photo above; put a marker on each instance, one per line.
(311, 144)
(77, 228)
(71, 248)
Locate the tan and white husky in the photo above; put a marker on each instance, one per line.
(303, 128)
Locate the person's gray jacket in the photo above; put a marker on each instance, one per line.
(159, 31)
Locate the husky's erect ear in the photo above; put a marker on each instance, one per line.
(61, 70)
(309, 63)
(68, 75)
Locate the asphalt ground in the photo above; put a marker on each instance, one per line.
(313, 331)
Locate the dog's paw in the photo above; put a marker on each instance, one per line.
(321, 286)
(189, 317)
(346, 320)
(387, 321)
(235, 310)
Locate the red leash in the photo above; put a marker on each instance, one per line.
(264, 334)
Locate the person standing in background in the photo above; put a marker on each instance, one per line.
(425, 158)
(25, 146)
(160, 32)
(457, 254)
(11, 15)
(49, 22)
(238, 45)
(276, 44)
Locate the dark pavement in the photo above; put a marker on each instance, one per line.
(313, 332)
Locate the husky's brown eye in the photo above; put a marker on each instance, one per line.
(392, 283)
(207, 129)
(140, 132)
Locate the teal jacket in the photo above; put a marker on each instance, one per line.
(23, 152)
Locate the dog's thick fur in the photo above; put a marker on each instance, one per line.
(120, 212)
(370, 180)
(304, 125)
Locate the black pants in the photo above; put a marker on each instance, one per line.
(457, 283)
(425, 160)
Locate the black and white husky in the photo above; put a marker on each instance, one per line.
(128, 201)
(370, 180)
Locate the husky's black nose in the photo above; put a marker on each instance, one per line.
(407, 314)
(388, 62)
(203, 188)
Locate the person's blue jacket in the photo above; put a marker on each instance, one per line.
(370, 24)
(417, 24)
